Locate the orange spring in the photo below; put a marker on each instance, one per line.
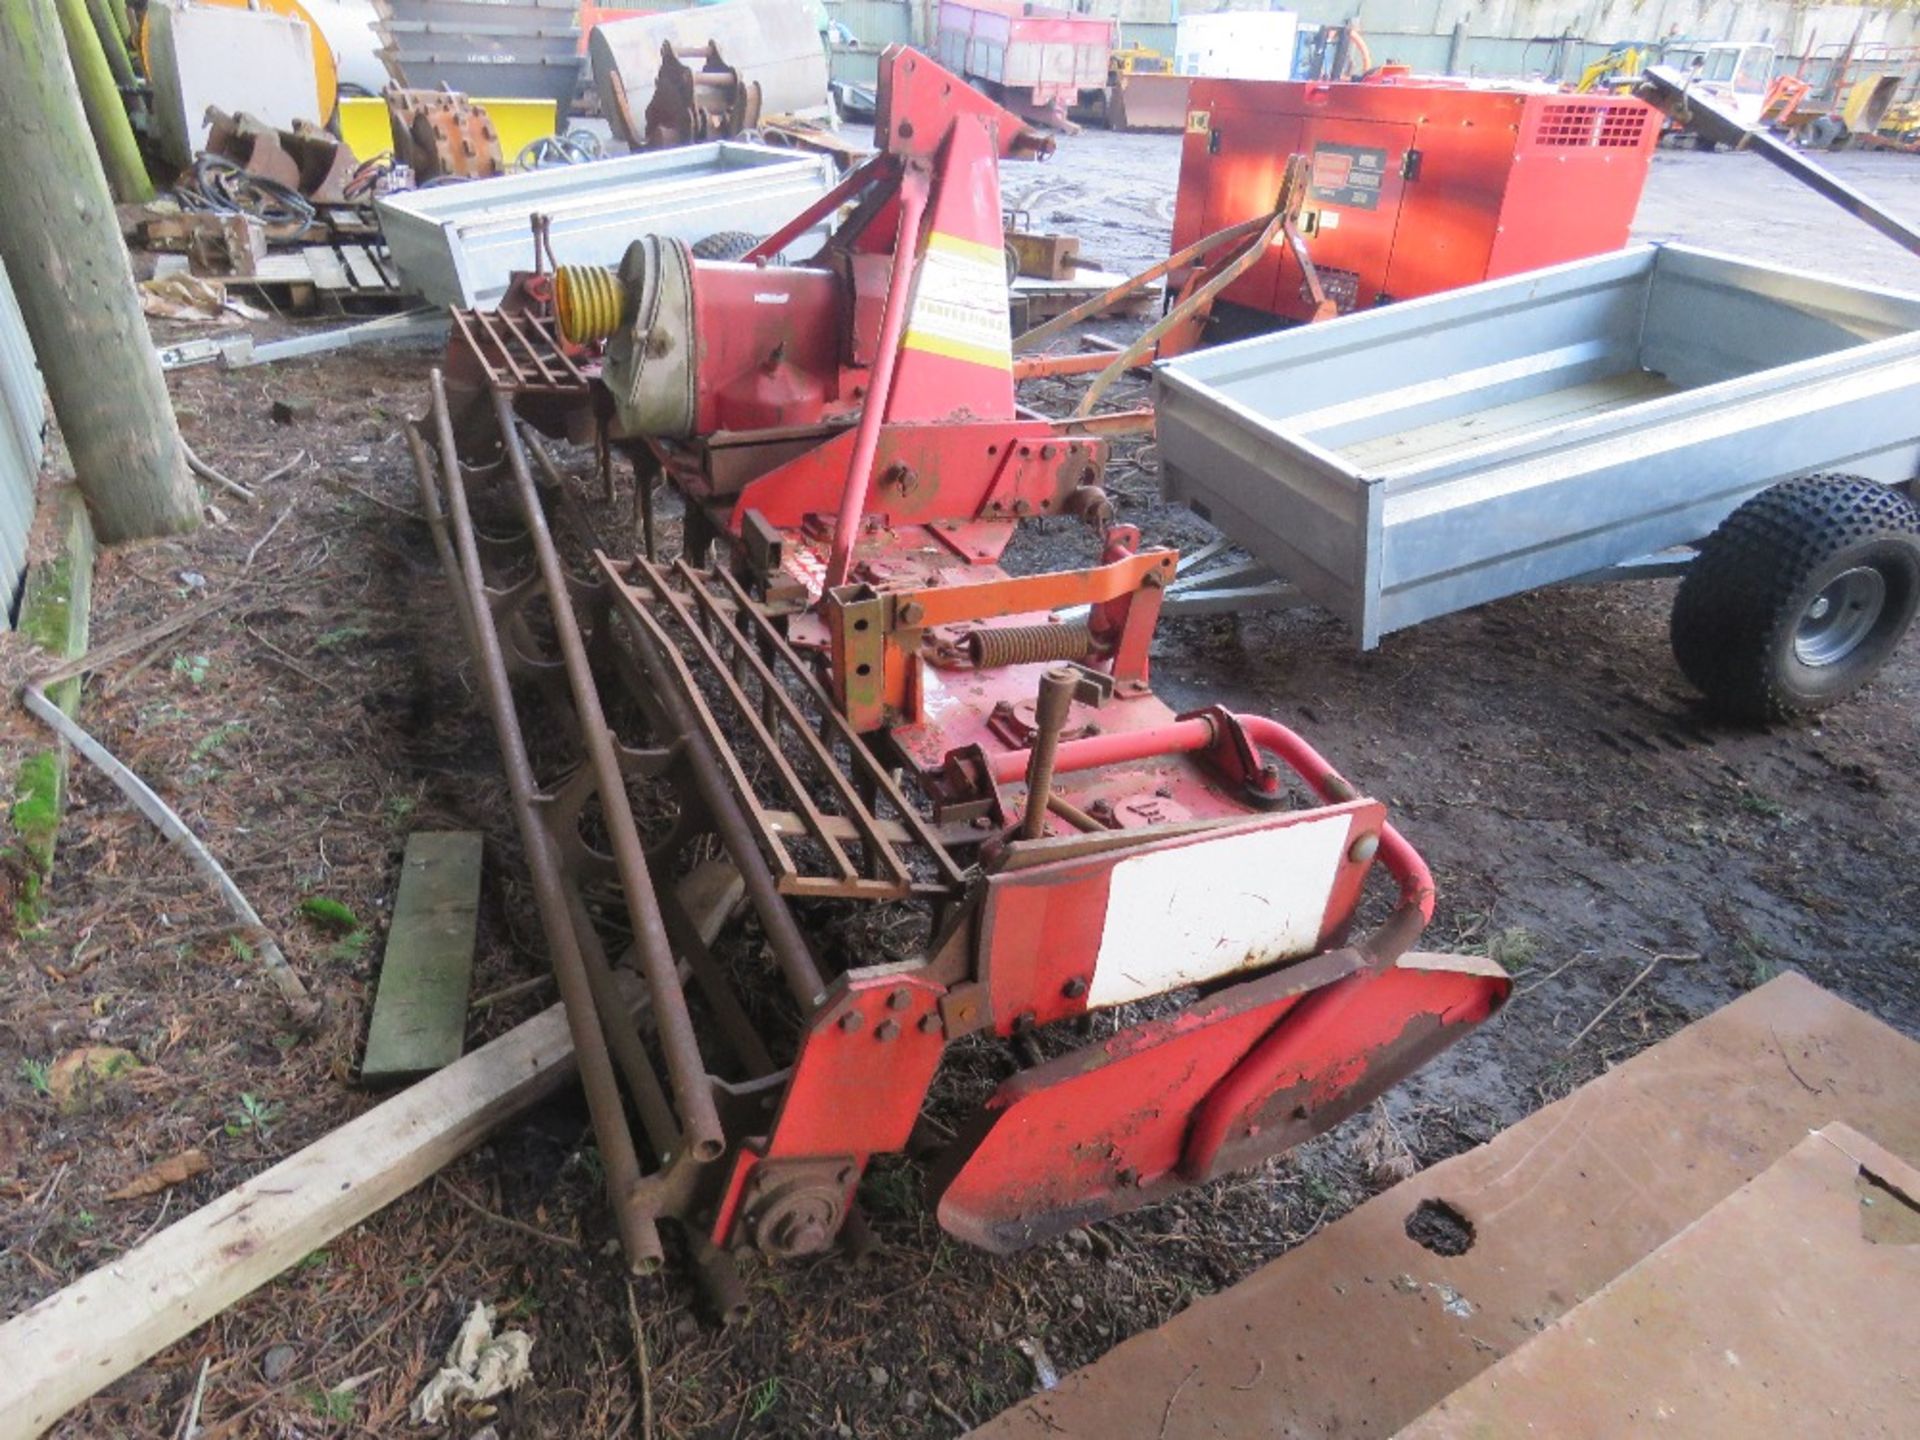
(1029, 644)
(588, 300)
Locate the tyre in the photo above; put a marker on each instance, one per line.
(1799, 597)
(724, 245)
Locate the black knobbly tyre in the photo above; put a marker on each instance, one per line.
(1799, 597)
(724, 245)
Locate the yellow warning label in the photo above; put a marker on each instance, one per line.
(960, 303)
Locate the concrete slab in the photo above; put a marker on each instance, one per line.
(1777, 1312)
(1362, 1330)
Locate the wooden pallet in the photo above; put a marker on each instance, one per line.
(346, 279)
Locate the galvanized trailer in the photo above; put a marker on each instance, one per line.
(1593, 420)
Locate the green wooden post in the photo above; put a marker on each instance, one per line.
(61, 243)
(107, 26)
(106, 111)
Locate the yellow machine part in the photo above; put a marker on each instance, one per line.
(518, 123)
(365, 126)
(587, 300)
(368, 129)
(326, 76)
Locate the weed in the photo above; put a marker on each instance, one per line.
(240, 948)
(312, 1260)
(332, 1404)
(192, 669)
(348, 946)
(35, 1073)
(329, 914)
(1319, 1190)
(1512, 948)
(216, 737)
(252, 1115)
(85, 1220)
(765, 1396)
(340, 635)
(1759, 967)
(1759, 805)
(400, 809)
(891, 1190)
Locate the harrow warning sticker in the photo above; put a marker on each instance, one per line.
(960, 303)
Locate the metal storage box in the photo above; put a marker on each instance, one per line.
(1411, 461)
(459, 244)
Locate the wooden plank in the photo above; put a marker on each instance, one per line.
(362, 269)
(324, 264)
(419, 1019)
(81, 1339)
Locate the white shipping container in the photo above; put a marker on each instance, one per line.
(1236, 44)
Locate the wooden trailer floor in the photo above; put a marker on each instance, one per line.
(1424, 444)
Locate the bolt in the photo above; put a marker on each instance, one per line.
(929, 1024)
(1074, 988)
(900, 999)
(912, 613)
(1023, 1021)
(852, 1021)
(1364, 847)
(886, 1030)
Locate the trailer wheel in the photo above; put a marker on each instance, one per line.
(724, 245)
(1799, 597)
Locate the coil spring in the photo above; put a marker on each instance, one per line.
(588, 300)
(1029, 644)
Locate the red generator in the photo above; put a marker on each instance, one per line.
(1418, 184)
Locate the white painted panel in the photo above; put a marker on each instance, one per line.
(239, 60)
(1195, 912)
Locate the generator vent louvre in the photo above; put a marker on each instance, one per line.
(1585, 123)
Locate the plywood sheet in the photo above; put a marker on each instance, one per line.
(1790, 1308)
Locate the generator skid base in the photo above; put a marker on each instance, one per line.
(1149, 919)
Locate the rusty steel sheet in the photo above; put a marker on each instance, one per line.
(1362, 1330)
(1701, 1343)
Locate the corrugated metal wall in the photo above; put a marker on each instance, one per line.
(22, 444)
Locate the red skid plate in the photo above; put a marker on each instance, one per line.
(1241, 1075)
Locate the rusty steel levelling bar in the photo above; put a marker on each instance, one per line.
(638, 1235)
(686, 1070)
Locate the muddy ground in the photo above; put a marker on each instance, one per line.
(1582, 816)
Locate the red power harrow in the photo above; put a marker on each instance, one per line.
(858, 707)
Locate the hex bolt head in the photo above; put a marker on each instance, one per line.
(1364, 847)
(930, 1023)
(1074, 988)
(886, 1030)
(900, 999)
(852, 1021)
